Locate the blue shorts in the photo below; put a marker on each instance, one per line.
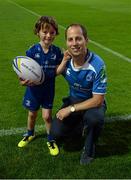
(39, 96)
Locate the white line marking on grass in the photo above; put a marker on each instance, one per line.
(21, 130)
(93, 42)
(111, 51)
(31, 12)
(118, 118)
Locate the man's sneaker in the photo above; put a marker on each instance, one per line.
(53, 148)
(85, 159)
(25, 141)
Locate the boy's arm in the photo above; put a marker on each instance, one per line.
(61, 67)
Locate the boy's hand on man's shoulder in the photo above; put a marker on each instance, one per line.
(67, 55)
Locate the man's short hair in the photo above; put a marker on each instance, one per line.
(84, 31)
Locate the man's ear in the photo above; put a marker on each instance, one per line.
(87, 40)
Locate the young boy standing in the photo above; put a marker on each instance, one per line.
(36, 96)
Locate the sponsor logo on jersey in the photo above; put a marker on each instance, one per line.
(77, 85)
(80, 88)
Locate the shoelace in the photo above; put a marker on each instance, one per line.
(25, 138)
(52, 145)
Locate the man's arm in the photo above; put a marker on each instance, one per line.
(96, 101)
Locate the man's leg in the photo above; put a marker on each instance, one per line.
(58, 127)
(64, 128)
(93, 120)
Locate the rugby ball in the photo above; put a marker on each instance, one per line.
(28, 69)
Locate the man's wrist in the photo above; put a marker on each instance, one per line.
(72, 108)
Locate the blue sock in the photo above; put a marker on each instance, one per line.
(31, 132)
(50, 137)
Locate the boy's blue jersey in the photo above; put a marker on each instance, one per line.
(43, 94)
(48, 61)
(88, 79)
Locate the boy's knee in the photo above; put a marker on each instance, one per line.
(32, 115)
(46, 117)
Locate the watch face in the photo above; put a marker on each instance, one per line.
(72, 109)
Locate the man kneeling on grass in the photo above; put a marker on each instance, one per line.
(85, 107)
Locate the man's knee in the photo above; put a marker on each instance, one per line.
(94, 117)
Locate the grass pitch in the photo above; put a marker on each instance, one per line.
(108, 23)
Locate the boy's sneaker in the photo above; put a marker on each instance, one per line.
(85, 159)
(25, 141)
(53, 148)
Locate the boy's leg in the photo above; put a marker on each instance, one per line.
(31, 120)
(29, 136)
(47, 116)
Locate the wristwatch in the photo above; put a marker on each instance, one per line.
(72, 109)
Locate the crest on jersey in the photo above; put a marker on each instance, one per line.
(89, 77)
(37, 55)
(53, 57)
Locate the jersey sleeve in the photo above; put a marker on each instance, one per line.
(29, 53)
(100, 82)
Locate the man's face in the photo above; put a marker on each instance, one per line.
(76, 42)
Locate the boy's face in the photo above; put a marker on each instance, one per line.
(47, 35)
